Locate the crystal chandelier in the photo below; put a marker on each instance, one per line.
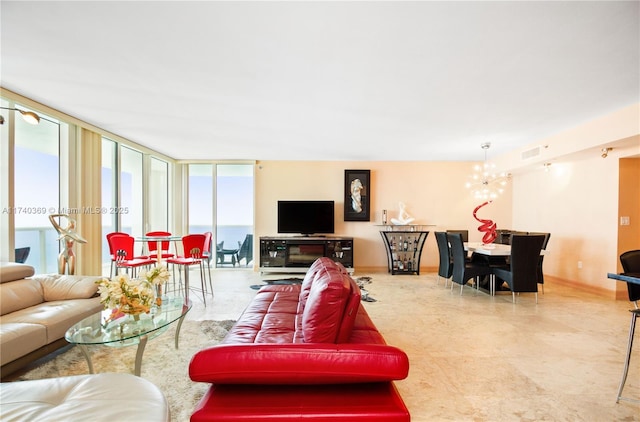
(485, 183)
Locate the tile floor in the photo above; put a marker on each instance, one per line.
(480, 358)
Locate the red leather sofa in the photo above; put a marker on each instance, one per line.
(302, 352)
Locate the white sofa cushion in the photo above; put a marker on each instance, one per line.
(62, 287)
(100, 397)
(18, 339)
(20, 294)
(57, 316)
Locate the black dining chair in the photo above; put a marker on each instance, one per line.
(463, 270)
(464, 233)
(445, 268)
(521, 274)
(541, 259)
(503, 236)
(630, 261)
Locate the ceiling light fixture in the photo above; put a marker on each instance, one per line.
(546, 167)
(605, 152)
(485, 183)
(28, 116)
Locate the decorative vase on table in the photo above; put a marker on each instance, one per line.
(157, 276)
(158, 295)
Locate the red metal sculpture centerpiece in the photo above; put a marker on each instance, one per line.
(488, 227)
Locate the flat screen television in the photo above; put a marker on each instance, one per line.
(306, 217)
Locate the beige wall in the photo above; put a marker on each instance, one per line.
(629, 206)
(577, 202)
(433, 192)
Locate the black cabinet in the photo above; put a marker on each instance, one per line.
(404, 249)
(296, 254)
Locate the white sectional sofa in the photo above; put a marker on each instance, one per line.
(37, 310)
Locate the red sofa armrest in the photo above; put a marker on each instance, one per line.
(311, 363)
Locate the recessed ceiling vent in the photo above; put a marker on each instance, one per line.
(530, 153)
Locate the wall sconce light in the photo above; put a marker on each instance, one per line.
(28, 116)
(605, 152)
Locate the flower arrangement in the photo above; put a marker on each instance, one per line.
(126, 295)
(157, 275)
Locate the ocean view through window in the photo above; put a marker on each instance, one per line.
(232, 211)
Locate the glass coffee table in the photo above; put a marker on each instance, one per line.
(127, 331)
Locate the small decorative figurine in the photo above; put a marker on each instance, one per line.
(403, 217)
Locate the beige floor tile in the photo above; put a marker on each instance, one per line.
(480, 358)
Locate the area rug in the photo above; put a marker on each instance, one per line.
(162, 364)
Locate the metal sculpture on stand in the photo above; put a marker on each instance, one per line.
(66, 258)
(488, 227)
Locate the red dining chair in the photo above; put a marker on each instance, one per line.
(192, 245)
(112, 251)
(153, 245)
(206, 254)
(123, 246)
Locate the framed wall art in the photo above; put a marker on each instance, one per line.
(357, 192)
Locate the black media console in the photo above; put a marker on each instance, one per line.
(296, 254)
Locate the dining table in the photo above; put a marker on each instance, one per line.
(159, 240)
(491, 249)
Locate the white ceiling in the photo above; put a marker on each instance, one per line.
(325, 80)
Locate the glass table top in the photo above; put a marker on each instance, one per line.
(126, 330)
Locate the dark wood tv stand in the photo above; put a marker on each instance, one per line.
(295, 254)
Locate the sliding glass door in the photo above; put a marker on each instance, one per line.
(234, 213)
(221, 201)
(37, 193)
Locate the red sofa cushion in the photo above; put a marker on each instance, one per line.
(350, 312)
(301, 364)
(325, 306)
(271, 317)
(378, 402)
(331, 340)
(319, 264)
